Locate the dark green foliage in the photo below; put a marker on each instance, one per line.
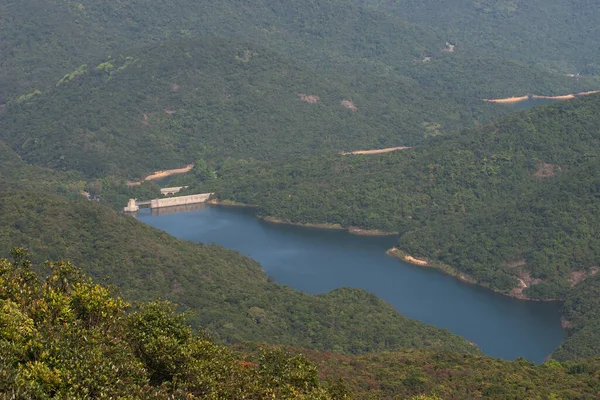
(45, 39)
(581, 314)
(137, 93)
(67, 337)
(517, 199)
(556, 34)
(446, 375)
(228, 294)
(168, 105)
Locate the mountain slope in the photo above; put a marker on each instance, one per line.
(169, 104)
(556, 34)
(45, 40)
(512, 205)
(228, 294)
(60, 35)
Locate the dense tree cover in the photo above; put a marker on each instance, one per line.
(447, 375)
(61, 35)
(121, 108)
(227, 293)
(558, 34)
(175, 102)
(66, 337)
(516, 200)
(45, 39)
(581, 314)
(511, 204)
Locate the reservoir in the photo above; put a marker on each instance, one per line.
(530, 103)
(317, 261)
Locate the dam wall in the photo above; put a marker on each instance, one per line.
(179, 201)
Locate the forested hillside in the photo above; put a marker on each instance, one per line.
(556, 34)
(179, 101)
(67, 337)
(581, 314)
(45, 39)
(512, 206)
(401, 375)
(116, 89)
(227, 293)
(266, 97)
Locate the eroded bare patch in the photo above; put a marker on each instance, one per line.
(349, 104)
(309, 98)
(579, 276)
(515, 264)
(544, 170)
(566, 324)
(525, 281)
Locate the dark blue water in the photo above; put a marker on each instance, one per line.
(317, 261)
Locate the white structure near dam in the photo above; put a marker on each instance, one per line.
(133, 205)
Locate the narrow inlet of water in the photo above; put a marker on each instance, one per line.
(317, 261)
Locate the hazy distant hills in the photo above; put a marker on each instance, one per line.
(117, 88)
(44, 39)
(561, 35)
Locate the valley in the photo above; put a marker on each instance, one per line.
(316, 261)
(374, 228)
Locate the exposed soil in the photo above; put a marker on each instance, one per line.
(515, 264)
(508, 100)
(349, 104)
(511, 100)
(525, 281)
(566, 324)
(168, 172)
(544, 170)
(579, 276)
(412, 260)
(309, 98)
(369, 232)
(377, 151)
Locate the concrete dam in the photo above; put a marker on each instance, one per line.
(133, 205)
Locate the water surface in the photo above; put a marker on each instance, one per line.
(530, 103)
(317, 261)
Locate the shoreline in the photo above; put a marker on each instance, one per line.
(448, 270)
(334, 227)
(229, 203)
(515, 99)
(393, 252)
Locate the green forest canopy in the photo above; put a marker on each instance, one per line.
(511, 204)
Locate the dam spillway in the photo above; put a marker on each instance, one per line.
(133, 205)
